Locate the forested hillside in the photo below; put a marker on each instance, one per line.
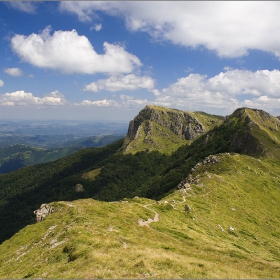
(13, 157)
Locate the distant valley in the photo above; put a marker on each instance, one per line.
(54, 134)
(25, 143)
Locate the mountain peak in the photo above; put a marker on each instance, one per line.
(166, 129)
(258, 133)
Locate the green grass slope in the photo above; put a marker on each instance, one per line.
(108, 174)
(24, 190)
(92, 239)
(154, 137)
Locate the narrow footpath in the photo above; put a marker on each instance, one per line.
(156, 217)
(154, 220)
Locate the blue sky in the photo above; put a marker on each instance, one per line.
(106, 60)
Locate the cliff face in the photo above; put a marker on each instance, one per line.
(180, 123)
(259, 133)
(171, 124)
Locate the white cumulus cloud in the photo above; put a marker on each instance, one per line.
(100, 103)
(1, 83)
(121, 82)
(22, 98)
(124, 102)
(230, 28)
(69, 52)
(224, 92)
(15, 72)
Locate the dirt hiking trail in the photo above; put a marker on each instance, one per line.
(156, 217)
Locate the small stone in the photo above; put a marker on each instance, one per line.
(187, 208)
(231, 228)
(221, 228)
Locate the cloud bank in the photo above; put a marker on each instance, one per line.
(69, 52)
(230, 28)
(220, 94)
(224, 92)
(22, 98)
(125, 102)
(119, 83)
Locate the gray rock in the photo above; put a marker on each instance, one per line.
(187, 208)
(43, 211)
(231, 228)
(221, 228)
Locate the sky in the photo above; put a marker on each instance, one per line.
(102, 60)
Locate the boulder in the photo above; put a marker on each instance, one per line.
(43, 211)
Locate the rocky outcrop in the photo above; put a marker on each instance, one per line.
(181, 123)
(185, 184)
(209, 160)
(43, 211)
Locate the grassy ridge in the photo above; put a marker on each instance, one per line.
(231, 231)
(93, 239)
(148, 174)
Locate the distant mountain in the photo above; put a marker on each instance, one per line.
(16, 156)
(216, 195)
(56, 134)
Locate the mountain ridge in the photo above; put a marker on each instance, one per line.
(109, 174)
(211, 229)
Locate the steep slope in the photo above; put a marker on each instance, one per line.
(222, 223)
(109, 174)
(24, 190)
(245, 131)
(164, 129)
(265, 129)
